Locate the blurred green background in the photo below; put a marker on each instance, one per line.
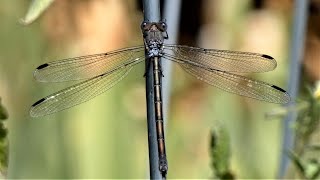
(107, 136)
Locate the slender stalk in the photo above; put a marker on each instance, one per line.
(151, 10)
(172, 17)
(296, 55)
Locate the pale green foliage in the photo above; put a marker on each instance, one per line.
(3, 141)
(36, 8)
(220, 153)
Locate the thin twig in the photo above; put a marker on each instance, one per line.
(296, 55)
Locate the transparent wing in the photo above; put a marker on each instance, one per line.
(224, 60)
(86, 67)
(80, 92)
(236, 84)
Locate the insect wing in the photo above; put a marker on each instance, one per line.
(223, 60)
(85, 67)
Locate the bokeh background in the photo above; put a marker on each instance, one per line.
(107, 136)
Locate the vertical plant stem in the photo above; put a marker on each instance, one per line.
(151, 11)
(172, 17)
(296, 55)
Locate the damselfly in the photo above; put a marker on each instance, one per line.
(102, 71)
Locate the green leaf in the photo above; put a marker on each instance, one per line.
(3, 131)
(313, 169)
(3, 112)
(36, 8)
(314, 147)
(4, 146)
(297, 162)
(220, 153)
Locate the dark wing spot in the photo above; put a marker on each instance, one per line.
(43, 66)
(267, 56)
(38, 102)
(277, 88)
(105, 53)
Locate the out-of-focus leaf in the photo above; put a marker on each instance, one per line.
(277, 112)
(307, 126)
(4, 146)
(313, 169)
(3, 142)
(316, 174)
(3, 112)
(3, 131)
(36, 8)
(316, 103)
(297, 162)
(220, 153)
(317, 91)
(314, 147)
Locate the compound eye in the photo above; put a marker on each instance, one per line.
(164, 26)
(143, 25)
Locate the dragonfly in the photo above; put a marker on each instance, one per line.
(100, 72)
